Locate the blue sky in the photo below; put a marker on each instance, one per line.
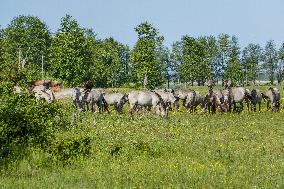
(252, 21)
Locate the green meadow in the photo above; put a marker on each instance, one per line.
(185, 150)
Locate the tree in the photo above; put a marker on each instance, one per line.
(69, 53)
(212, 50)
(110, 61)
(2, 71)
(197, 59)
(25, 41)
(280, 64)
(251, 58)
(144, 57)
(166, 64)
(203, 60)
(1, 48)
(176, 58)
(234, 70)
(270, 60)
(222, 56)
(188, 67)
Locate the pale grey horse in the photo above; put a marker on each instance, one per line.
(234, 96)
(41, 92)
(77, 99)
(170, 100)
(254, 97)
(115, 99)
(212, 100)
(147, 99)
(93, 100)
(272, 95)
(193, 99)
(65, 93)
(182, 95)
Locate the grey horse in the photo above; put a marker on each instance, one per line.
(212, 100)
(41, 92)
(254, 97)
(169, 99)
(193, 99)
(115, 99)
(147, 99)
(94, 100)
(234, 96)
(64, 93)
(272, 95)
(88, 100)
(77, 98)
(182, 95)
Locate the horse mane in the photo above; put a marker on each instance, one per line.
(159, 96)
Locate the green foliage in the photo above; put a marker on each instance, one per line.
(222, 56)
(280, 65)
(234, 70)
(270, 60)
(252, 56)
(24, 123)
(1, 48)
(25, 41)
(176, 59)
(70, 146)
(166, 65)
(197, 58)
(203, 58)
(223, 150)
(110, 64)
(188, 68)
(69, 53)
(145, 59)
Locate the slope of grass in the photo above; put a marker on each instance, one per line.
(187, 150)
(197, 150)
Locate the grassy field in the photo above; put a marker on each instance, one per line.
(197, 150)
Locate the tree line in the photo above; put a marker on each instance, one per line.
(29, 51)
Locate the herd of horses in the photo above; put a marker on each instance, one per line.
(160, 102)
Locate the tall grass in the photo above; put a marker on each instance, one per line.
(197, 150)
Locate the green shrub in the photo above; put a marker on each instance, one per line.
(70, 146)
(24, 122)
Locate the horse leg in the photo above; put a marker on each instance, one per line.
(195, 108)
(234, 106)
(106, 108)
(214, 108)
(131, 109)
(209, 107)
(148, 110)
(230, 106)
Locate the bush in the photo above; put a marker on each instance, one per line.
(24, 123)
(70, 146)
